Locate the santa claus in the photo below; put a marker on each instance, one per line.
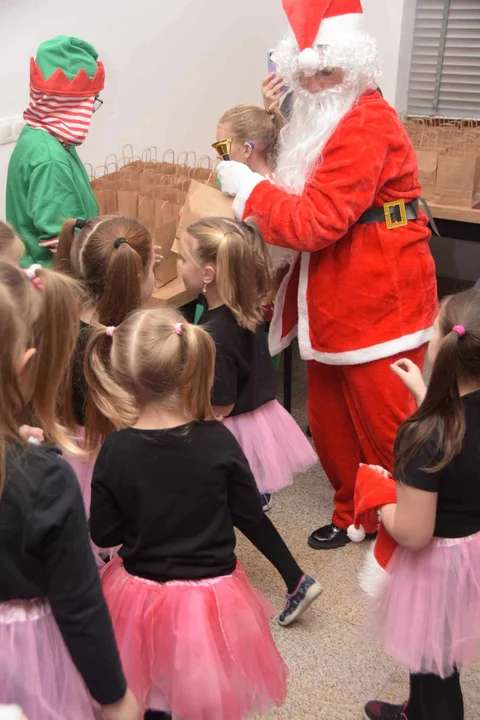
(360, 292)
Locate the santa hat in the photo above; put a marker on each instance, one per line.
(321, 22)
(67, 66)
(372, 490)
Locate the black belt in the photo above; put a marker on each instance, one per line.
(394, 214)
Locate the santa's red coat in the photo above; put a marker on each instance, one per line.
(357, 292)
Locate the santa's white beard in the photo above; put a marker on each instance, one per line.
(313, 121)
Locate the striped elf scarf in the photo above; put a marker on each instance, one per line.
(67, 118)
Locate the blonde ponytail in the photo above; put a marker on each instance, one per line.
(198, 371)
(243, 272)
(156, 357)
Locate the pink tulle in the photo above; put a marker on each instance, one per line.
(426, 610)
(275, 446)
(36, 670)
(197, 649)
(83, 468)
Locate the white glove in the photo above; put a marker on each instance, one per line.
(238, 181)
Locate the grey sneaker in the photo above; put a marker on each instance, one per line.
(299, 601)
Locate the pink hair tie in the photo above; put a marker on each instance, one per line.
(459, 329)
(110, 330)
(31, 274)
(179, 328)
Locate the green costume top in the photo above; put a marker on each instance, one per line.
(47, 184)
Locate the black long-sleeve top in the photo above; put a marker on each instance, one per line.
(46, 553)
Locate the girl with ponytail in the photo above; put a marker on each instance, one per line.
(113, 258)
(228, 262)
(57, 648)
(169, 488)
(427, 612)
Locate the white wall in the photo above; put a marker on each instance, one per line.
(172, 66)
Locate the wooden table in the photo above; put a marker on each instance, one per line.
(175, 295)
(456, 214)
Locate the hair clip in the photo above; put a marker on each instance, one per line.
(459, 329)
(31, 274)
(179, 328)
(119, 241)
(110, 330)
(79, 223)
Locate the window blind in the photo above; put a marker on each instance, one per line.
(445, 69)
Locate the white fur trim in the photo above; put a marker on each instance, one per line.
(309, 61)
(276, 342)
(334, 29)
(356, 535)
(304, 344)
(244, 192)
(371, 574)
(373, 352)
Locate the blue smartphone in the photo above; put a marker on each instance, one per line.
(273, 68)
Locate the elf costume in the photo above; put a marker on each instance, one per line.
(47, 182)
(361, 291)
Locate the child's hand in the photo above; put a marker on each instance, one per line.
(125, 709)
(411, 376)
(272, 90)
(379, 469)
(31, 434)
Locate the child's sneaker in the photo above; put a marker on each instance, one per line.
(267, 502)
(377, 710)
(300, 600)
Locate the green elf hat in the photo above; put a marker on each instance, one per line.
(67, 66)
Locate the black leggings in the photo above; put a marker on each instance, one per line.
(432, 698)
(270, 543)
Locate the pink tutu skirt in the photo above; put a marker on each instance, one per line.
(36, 670)
(275, 446)
(198, 649)
(83, 468)
(426, 609)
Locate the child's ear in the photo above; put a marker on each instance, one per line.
(208, 274)
(248, 148)
(24, 361)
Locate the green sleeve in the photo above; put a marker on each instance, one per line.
(53, 198)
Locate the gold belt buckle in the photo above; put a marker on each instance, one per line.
(387, 209)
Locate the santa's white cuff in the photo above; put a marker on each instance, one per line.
(10, 712)
(247, 186)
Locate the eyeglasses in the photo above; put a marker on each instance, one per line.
(98, 102)
(223, 147)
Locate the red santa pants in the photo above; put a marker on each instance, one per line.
(354, 413)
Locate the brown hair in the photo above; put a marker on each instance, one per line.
(154, 356)
(441, 416)
(111, 271)
(240, 255)
(43, 316)
(8, 241)
(262, 127)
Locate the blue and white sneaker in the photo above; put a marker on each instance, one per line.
(267, 502)
(299, 601)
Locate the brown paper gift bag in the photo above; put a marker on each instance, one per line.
(203, 201)
(427, 171)
(163, 237)
(457, 179)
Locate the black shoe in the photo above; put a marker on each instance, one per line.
(328, 537)
(377, 710)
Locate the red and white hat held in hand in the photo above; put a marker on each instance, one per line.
(321, 22)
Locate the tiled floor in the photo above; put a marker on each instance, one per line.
(333, 672)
